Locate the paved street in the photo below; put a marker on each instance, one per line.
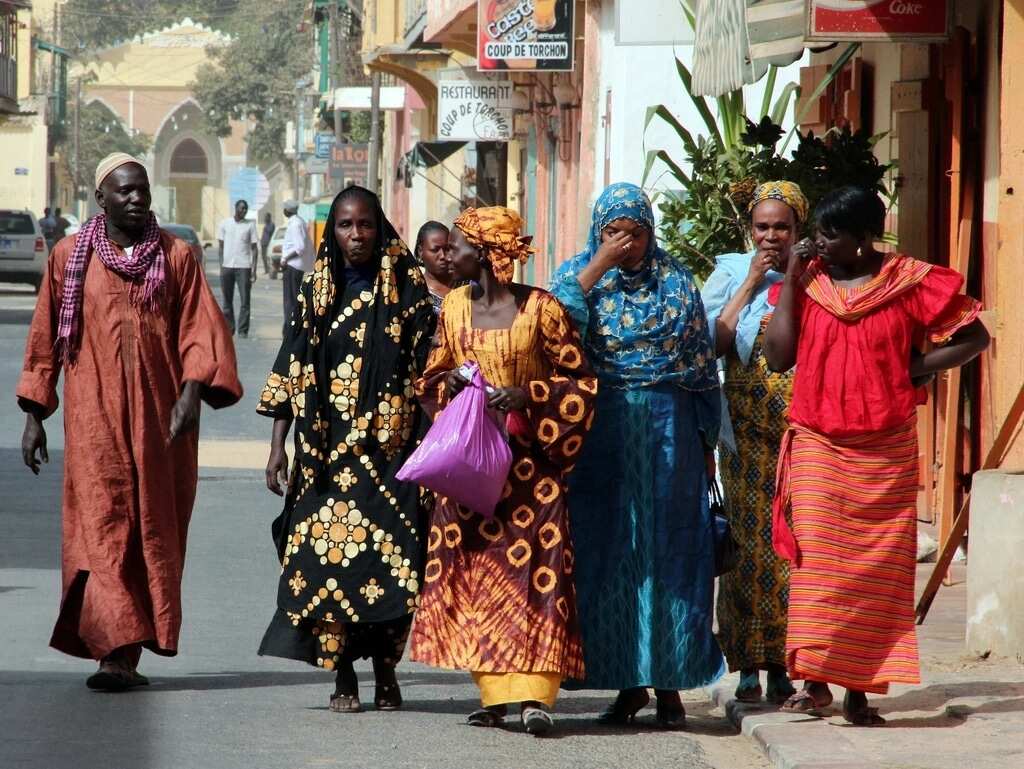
(217, 704)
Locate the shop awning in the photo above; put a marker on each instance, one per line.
(429, 154)
(737, 40)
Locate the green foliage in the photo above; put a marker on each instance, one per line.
(254, 77)
(101, 134)
(709, 216)
(92, 24)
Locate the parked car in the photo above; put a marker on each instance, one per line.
(22, 248)
(188, 234)
(276, 244)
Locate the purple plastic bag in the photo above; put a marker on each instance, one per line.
(464, 455)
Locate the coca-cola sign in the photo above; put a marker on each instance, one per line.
(896, 20)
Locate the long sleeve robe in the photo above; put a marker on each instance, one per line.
(127, 495)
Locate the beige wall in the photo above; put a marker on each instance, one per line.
(24, 146)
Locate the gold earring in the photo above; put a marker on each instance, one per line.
(860, 253)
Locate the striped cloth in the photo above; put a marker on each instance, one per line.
(851, 594)
(737, 40)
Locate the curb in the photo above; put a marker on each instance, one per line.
(785, 747)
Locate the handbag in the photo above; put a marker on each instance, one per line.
(727, 552)
(464, 455)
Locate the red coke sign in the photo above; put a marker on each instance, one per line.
(894, 20)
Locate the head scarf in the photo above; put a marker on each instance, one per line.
(785, 192)
(146, 268)
(644, 328)
(495, 231)
(389, 351)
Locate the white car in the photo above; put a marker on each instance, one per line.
(22, 248)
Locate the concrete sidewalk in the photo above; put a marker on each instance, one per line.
(968, 711)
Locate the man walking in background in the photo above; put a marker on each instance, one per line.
(296, 257)
(49, 227)
(60, 227)
(265, 236)
(237, 243)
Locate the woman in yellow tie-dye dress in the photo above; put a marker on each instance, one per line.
(498, 596)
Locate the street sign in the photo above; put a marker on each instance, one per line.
(891, 20)
(323, 143)
(474, 109)
(525, 35)
(348, 164)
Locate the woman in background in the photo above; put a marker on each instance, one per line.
(432, 252)
(739, 298)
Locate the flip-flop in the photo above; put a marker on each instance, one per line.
(749, 689)
(865, 716)
(486, 718)
(803, 703)
(345, 703)
(537, 721)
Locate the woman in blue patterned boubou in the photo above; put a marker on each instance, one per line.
(638, 496)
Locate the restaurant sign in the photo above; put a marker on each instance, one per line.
(474, 109)
(892, 20)
(525, 35)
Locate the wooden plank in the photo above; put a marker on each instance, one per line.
(993, 460)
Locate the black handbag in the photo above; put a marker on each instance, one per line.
(727, 552)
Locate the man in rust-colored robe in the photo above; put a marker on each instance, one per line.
(131, 404)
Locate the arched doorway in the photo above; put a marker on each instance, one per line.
(189, 173)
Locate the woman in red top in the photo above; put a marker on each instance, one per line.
(851, 319)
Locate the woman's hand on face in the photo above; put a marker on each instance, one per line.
(455, 383)
(759, 266)
(799, 256)
(613, 251)
(507, 399)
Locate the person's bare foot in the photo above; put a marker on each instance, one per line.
(857, 711)
(814, 699)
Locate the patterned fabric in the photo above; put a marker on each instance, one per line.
(641, 524)
(898, 275)
(498, 593)
(495, 230)
(641, 328)
(785, 192)
(644, 553)
(851, 596)
(753, 599)
(730, 272)
(147, 262)
(350, 536)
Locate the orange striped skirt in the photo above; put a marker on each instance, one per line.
(851, 594)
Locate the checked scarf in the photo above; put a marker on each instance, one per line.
(146, 268)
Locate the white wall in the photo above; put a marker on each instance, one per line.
(640, 76)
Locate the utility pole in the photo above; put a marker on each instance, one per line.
(298, 137)
(77, 139)
(373, 169)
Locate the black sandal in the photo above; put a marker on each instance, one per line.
(803, 703)
(623, 711)
(670, 713)
(387, 697)
(346, 691)
(863, 715)
(488, 718)
(536, 720)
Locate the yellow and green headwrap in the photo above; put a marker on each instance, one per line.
(786, 192)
